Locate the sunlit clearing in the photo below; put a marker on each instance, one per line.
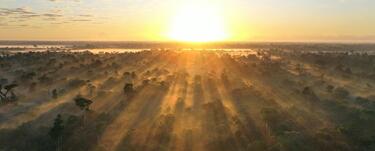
(197, 23)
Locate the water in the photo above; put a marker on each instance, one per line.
(230, 48)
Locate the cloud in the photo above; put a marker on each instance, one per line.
(63, 0)
(85, 15)
(52, 15)
(15, 17)
(27, 16)
(15, 11)
(81, 20)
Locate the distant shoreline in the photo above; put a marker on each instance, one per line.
(182, 45)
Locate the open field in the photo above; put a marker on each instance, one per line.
(279, 97)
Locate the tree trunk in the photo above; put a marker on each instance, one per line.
(83, 118)
(59, 144)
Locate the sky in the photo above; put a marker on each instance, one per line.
(153, 20)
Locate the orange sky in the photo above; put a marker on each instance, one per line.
(152, 20)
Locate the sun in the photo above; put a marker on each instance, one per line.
(197, 23)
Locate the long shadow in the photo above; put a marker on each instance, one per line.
(43, 104)
(148, 114)
(269, 128)
(152, 129)
(215, 121)
(248, 130)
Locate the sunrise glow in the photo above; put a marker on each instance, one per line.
(198, 23)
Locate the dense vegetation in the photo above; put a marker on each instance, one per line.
(267, 99)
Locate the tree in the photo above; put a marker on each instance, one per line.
(307, 91)
(7, 94)
(56, 132)
(83, 103)
(330, 88)
(128, 88)
(54, 94)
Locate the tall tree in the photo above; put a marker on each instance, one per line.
(56, 132)
(84, 105)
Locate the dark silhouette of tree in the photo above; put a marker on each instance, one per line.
(128, 88)
(10, 87)
(54, 94)
(307, 91)
(83, 103)
(7, 94)
(330, 88)
(56, 132)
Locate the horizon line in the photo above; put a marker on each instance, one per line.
(187, 42)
